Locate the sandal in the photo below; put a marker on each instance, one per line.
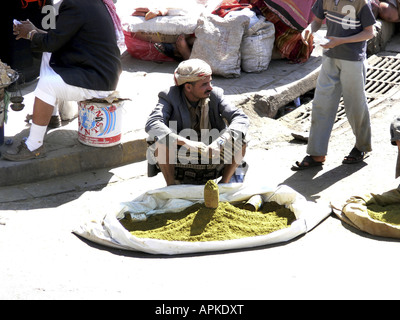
(355, 156)
(310, 164)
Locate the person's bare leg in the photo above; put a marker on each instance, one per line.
(167, 168)
(230, 169)
(183, 47)
(190, 41)
(42, 112)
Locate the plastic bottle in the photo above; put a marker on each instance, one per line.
(240, 173)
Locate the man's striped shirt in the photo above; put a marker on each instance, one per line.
(345, 18)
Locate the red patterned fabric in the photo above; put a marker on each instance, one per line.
(143, 50)
(230, 5)
(288, 30)
(296, 14)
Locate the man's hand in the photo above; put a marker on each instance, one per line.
(333, 42)
(214, 149)
(313, 27)
(196, 146)
(366, 34)
(305, 35)
(21, 30)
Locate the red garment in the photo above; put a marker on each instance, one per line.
(231, 5)
(25, 3)
(114, 16)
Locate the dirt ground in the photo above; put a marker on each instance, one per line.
(335, 181)
(333, 261)
(44, 260)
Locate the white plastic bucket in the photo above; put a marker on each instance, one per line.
(100, 123)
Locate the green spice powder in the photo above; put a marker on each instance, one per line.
(199, 223)
(388, 214)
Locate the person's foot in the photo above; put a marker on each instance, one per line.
(23, 153)
(355, 156)
(309, 162)
(182, 47)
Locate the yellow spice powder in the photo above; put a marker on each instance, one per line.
(199, 223)
(388, 214)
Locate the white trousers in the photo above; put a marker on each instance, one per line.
(52, 87)
(339, 77)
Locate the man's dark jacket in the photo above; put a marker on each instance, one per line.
(83, 45)
(172, 110)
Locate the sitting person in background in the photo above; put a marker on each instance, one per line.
(180, 50)
(195, 134)
(388, 10)
(81, 60)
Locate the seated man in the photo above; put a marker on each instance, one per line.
(81, 60)
(179, 51)
(195, 133)
(388, 10)
(395, 140)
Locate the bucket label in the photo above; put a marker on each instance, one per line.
(99, 124)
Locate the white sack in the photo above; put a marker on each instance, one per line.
(181, 18)
(109, 231)
(244, 12)
(174, 7)
(218, 42)
(175, 25)
(257, 46)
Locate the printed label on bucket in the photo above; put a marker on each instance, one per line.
(99, 124)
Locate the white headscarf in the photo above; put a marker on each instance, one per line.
(191, 70)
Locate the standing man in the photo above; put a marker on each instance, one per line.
(343, 72)
(81, 61)
(195, 133)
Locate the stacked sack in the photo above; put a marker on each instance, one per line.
(228, 40)
(238, 41)
(158, 22)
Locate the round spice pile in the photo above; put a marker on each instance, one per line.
(388, 214)
(5, 70)
(200, 223)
